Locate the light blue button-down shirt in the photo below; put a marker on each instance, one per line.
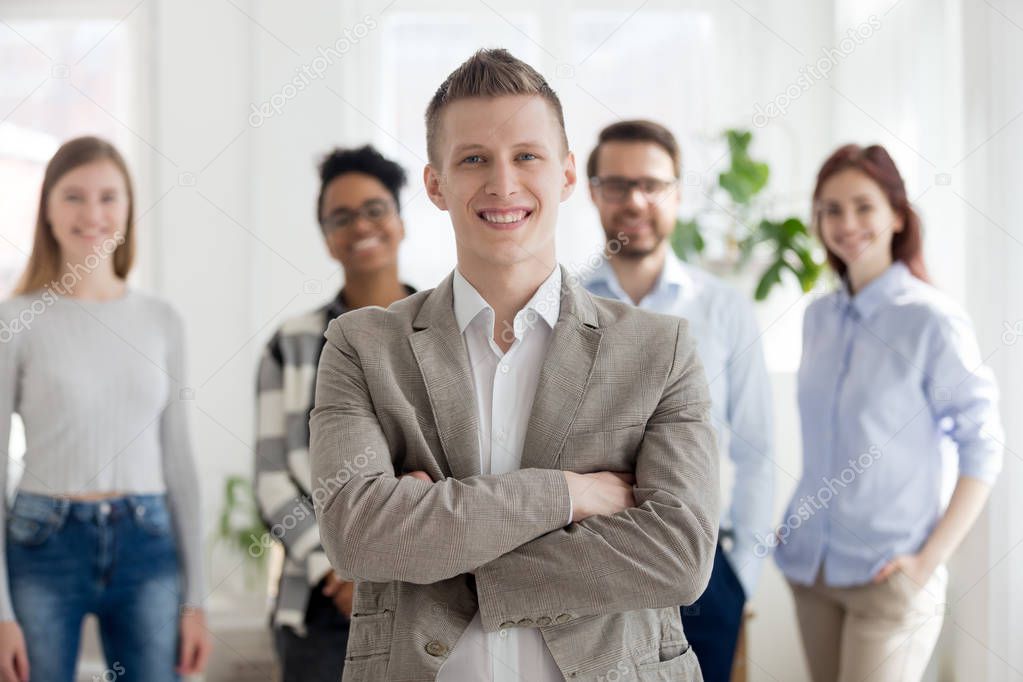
(887, 378)
(728, 343)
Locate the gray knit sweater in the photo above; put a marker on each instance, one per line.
(100, 387)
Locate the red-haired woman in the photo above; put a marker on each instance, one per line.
(106, 519)
(890, 372)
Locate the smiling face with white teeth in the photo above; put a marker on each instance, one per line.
(502, 171)
(857, 222)
(370, 242)
(87, 206)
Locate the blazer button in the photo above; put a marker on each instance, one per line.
(543, 620)
(507, 624)
(563, 618)
(436, 648)
(526, 622)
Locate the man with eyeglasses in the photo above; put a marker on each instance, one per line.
(358, 216)
(634, 182)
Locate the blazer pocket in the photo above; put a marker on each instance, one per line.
(683, 666)
(370, 635)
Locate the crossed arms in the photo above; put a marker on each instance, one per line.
(509, 528)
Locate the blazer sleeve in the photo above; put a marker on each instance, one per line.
(379, 527)
(654, 555)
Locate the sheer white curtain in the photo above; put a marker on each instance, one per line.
(992, 50)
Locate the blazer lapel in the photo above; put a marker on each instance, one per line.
(563, 379)
(444, 363)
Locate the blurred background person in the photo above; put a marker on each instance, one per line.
(358, 213)
(890, 368)
(107, 517)
(634, 183)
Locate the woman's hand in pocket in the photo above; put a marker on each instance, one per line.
(13, 655)
(913, 566)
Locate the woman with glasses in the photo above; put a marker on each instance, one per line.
(358, 215)
(106, 519)
(891, 377)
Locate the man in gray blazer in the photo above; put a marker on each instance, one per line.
(520, 477)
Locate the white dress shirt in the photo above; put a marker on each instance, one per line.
(505, 386)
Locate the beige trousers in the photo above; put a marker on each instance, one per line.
(871, 633)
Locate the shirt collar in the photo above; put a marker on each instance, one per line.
(546, 302)
(881, 290)
(674, 276)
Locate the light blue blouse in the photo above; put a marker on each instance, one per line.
(887, 378)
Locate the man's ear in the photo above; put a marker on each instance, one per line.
(432, 179)
(570, 178)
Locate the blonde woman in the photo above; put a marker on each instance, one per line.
(106, 517)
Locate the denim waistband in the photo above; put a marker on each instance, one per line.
(110, 508)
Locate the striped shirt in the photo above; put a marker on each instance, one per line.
(285, 388)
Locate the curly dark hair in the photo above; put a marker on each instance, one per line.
(363, 159)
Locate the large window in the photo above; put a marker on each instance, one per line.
(61, 79)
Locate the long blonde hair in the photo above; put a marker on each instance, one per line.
(44, 264)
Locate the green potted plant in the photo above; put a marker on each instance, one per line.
(240, 528)
(785, 244)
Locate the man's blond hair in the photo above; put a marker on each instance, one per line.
(489, 73)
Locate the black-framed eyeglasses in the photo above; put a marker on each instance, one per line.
(617, 189)
(373, 210)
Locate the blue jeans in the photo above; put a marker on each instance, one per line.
(115, 558)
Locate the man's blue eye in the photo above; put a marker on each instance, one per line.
(531, 156)
(475, 158)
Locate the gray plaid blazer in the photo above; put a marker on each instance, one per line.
(621, 389)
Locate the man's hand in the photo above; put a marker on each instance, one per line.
(341, 591)
(603, 492)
